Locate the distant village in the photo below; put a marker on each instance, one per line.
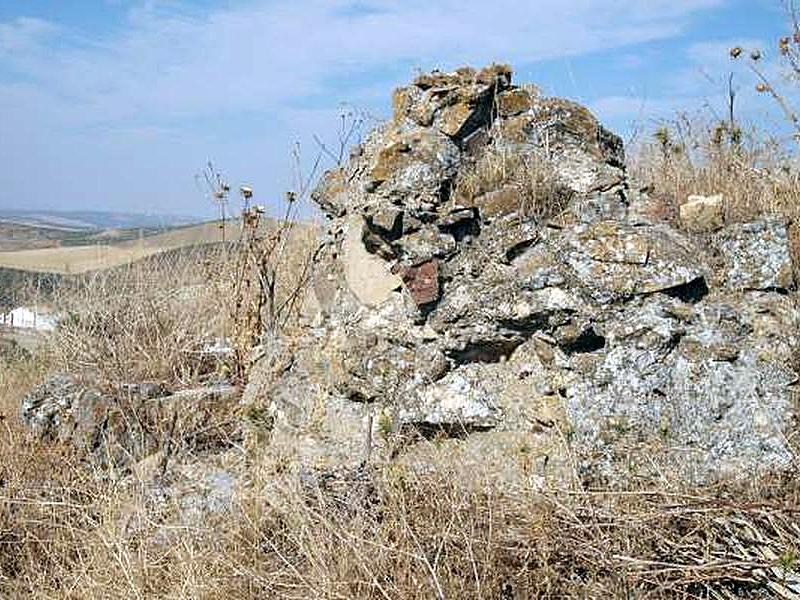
(35, 318)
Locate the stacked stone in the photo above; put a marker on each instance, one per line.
(603, 340)
(598, 341)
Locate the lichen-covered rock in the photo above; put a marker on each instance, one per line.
(119, 429)
(63, 408)
(587, 157)
(756, 256)
(456, 104)
(615, 260)
(412, 163)
(596, 342)
(691, 382)
(514, 102)
(461, 400)
(168, 500)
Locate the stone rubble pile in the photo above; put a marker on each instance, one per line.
(541, 332)
(597, 341)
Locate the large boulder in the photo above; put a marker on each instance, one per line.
(584, 338)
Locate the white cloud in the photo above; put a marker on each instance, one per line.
(24, 34)
(171, 66)
(247, 58)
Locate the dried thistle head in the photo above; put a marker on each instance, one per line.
(783, 45)
(251, 218)
(762, 87)
(755, 55)
(718, 134)
(291, 197)
(246, 191)
(735, 52)
(663, 136)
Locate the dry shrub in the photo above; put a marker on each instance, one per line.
(271, 272)
(753, 172)
(526, 171)
(46, 496)
(61, 532)
(151, 320)
(144, 321)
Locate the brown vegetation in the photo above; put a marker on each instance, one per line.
(754, 173)
(528, 180)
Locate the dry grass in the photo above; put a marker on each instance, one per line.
(142, 322)
(529, 176)
(386, 533)
(150, 320)
(754, 174)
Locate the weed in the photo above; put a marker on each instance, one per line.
(385, 425)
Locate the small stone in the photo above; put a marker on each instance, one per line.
(498, 203)
(546, 412)
(437, 79)
(513, 102)
(403, 100)
(453, 118)
(388, 221)
(431, 363)
(422, 282)
(703, 214)
(331, 194)
(461, 399)
(427, 243)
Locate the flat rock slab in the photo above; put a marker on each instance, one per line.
(118, 430)
(703, 214)
(368, 276)
(615, 259)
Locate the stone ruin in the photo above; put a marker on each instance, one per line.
(494, 293)
(590, 338)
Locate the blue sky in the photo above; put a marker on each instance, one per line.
(117, 104)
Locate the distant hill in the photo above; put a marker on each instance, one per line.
(95, 251)
(111, 248)
(89, 220)
(33, 230)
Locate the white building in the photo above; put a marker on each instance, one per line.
(25, 317)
